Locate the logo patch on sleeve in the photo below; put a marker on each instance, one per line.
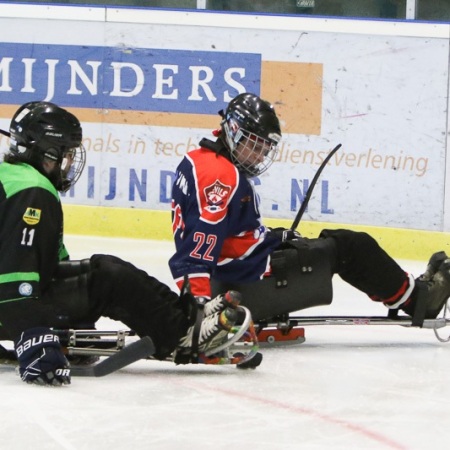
(216, 195)
(32, 216)
(25, 289)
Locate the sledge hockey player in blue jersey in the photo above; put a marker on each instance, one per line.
(221, 242)
(41, 290)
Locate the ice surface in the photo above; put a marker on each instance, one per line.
(358, 387)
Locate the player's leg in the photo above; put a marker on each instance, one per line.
(119, 290)
(365, 265)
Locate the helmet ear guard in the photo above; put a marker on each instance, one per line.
(52, 153)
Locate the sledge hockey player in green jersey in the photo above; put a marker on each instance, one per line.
(41, 289)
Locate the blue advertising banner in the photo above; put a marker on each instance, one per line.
(138, 79)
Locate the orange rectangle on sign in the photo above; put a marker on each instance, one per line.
(295, 90)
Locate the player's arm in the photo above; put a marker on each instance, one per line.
(32, 226)
(37, 233)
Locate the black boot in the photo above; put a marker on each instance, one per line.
(432, 289)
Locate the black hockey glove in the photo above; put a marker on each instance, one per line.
(284, 234)
(41, 360)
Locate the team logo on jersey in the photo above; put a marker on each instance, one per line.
(32, 216)
(215, 195)
(25, 289)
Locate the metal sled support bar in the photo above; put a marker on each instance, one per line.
(90, 334)
(93, 338)
(96, 351)
(358, 320)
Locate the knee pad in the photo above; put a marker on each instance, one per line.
(350, 245)
(69, 297)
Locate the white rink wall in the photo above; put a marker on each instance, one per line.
(147, 85)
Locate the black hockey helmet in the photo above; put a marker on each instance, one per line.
(251, 123)
(41, 132)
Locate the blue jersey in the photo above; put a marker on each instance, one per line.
(216, 223)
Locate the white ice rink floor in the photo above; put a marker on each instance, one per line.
(346, 387)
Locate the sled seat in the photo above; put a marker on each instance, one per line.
(301, 278)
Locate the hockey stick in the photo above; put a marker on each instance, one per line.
(140, 349)
(305, 202)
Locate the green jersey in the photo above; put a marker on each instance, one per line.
(31, 234)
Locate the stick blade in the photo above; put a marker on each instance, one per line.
(140, 349)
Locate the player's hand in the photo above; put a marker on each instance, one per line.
(284, 234)
(40, 356)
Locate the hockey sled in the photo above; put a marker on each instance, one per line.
(301, 278)
(240, 348)
(290, 329)
(123, 347)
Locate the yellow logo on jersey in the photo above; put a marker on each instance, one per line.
(32, 216)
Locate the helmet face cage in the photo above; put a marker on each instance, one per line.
(253, 154)
(72, 166)
(251, 132)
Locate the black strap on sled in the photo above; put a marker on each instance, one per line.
(419, 311)
(280, 264)
(279, 268)
(418, 315)
(196, 332)
(393, 314)
(194, 310)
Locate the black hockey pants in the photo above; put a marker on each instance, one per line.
(119, 290)
(361, 262)
(105, 286)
